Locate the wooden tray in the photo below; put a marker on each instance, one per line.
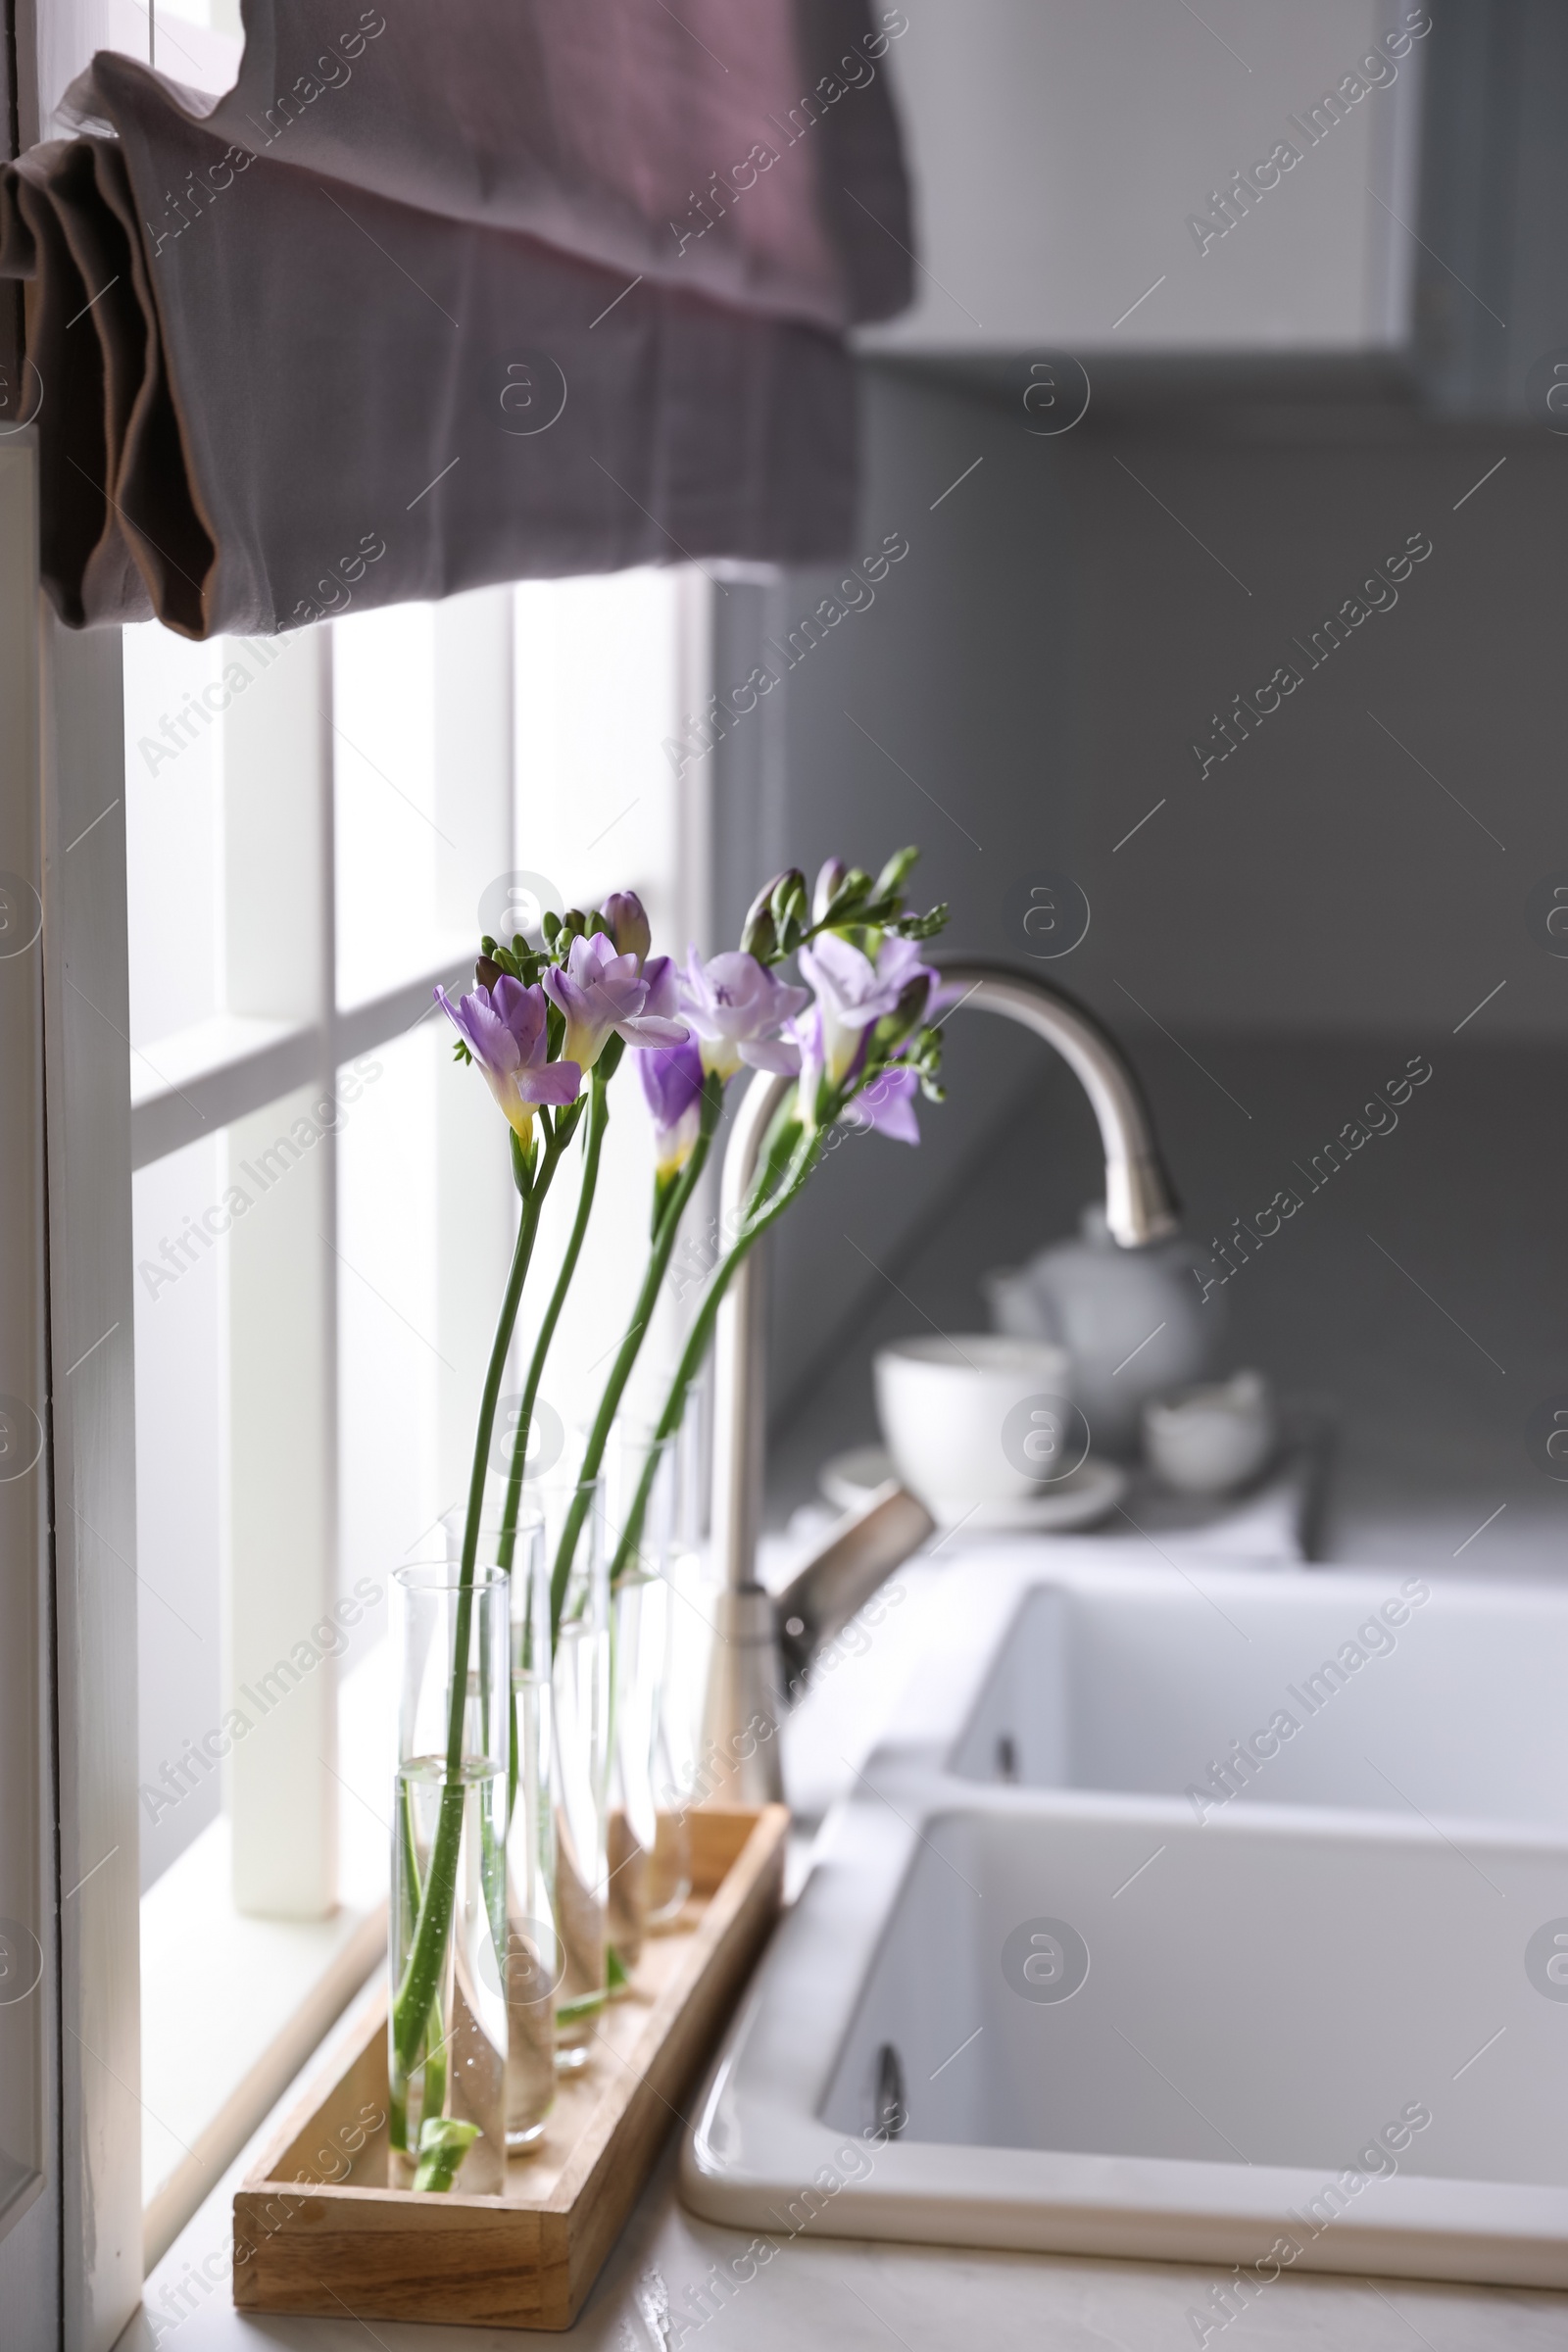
(316, 2231)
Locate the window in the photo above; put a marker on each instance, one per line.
(317, 828)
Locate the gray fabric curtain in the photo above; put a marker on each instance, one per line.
(508, 289)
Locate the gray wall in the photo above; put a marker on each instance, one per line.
(1038, 665)
(1426, 1370)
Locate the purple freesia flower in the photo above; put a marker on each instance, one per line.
(737, 1007)
(672, 1083)
(853, 993)
(506, 1028)
(603, 993)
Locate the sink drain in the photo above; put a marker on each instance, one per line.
(891, 2115)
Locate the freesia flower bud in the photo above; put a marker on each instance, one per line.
(758, 933)
(764, 933)
(893, 873)
(828, 882)
(791, 908)
(628, 924)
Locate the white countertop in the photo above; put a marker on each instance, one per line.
(849, 2293)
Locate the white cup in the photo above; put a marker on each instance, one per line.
(945, 1404)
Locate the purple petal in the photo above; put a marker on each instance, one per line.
(837, 969)
(643, 1032)
(455, 1016)
(888, 1105)
(774, 1053)
(662, 998)
(590, 957)
(672, 1079)
(495, 1046)
(561, 990)
(522, 1014)
(509, 997)
(555, 1082)
(897, 962)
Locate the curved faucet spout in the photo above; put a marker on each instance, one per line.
(1140, 1205)
(743, 1682)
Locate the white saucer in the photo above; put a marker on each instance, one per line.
(1085, 1495)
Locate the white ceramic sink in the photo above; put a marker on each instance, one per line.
(1400, 1695)
(1320, 2021)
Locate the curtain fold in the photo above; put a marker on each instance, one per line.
(513, 290)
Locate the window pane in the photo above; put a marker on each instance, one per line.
(597, 698)
(420, 711)
(174, 832)
(389, 1343)
(425, 1219)
(222, 800)
(181, 1362)
(600, 808)
(383, 692)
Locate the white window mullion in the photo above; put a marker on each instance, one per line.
(693, 844)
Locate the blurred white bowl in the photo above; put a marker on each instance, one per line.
(949, 1410)
(1207, 1441)
(1134, 1321)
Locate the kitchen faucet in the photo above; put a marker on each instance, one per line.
(755, 1633)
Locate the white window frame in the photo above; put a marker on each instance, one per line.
(66, 1291)
(29, 2018)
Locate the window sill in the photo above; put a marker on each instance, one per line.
(233, 2006)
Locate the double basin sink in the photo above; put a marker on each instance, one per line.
(1218, 1917)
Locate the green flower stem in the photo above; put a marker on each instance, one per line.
(598, 1121)
(443, 2144)
(434, 2094)
(627, 1355)
(779, 1184)
(781, 1145)
(409, 1907)
(410, 2007)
